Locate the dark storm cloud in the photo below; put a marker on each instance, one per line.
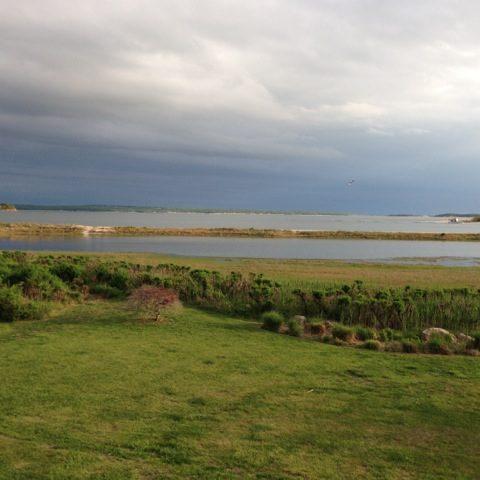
(241, 104)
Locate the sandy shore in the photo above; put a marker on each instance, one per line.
(41, 229)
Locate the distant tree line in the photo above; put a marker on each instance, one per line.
(7, 206)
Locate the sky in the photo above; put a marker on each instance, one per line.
(250, 105)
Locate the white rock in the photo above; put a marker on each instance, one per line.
(437, 332)
(461, 337)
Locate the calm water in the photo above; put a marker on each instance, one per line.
(446, 253)
(244, 220)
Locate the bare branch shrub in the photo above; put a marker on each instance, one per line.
(153, 301)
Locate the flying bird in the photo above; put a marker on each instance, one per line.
(350, 183)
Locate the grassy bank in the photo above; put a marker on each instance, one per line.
(94, 393)
(41, 229)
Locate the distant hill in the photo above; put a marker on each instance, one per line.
(459, 215)
(133, 208)
(144, 209)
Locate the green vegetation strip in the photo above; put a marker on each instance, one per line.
(28, 283)
(44, 229)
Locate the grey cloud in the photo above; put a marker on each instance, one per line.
(259, 98)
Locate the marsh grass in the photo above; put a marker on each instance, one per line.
(310, 274)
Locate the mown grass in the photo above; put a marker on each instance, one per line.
(94, 393)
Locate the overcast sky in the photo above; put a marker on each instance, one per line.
(270, 104)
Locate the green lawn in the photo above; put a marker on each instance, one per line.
(96, 394)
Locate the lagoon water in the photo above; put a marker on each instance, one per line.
(243, 220)
(415, 252)
(446, 253)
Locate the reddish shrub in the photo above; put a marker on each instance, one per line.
(153, 300)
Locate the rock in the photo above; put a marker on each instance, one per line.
(462, 338)
(283, 329)
(437, 332)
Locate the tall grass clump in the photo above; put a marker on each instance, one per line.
(272, 321)
(341, 332)
(372, 345)
(295, 328)
(14, 306)
(365, 333)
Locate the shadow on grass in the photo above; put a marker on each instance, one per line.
(98, 313)
(224, 321)
(242, 325)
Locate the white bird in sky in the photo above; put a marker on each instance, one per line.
(350, 183)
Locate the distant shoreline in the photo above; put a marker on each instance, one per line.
(46, 230)
(140, 209)
(145, 209)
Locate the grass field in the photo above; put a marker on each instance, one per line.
(94, 393)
